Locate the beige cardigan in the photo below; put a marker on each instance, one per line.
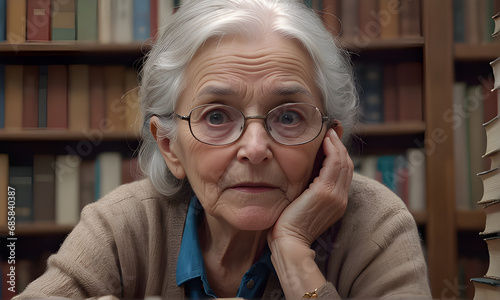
(127, 243)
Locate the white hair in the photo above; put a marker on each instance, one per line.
(199, 20)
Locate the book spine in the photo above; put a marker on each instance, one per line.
(141, 22)
(63, 20)
(4, 180)
(21, 178)
(42, 96)
(43, 188)
(104, 21)
(38, 20)
(57, 96)
(30, 96)
(86, 20)
(3, 20)
(2, 96)
(122, 21)
(78, 97)
(16, 21)
(14, 96)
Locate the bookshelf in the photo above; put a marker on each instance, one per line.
(440, 223)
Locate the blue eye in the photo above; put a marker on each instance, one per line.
(217, 117)
(289, 118)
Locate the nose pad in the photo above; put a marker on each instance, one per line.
(254, 143)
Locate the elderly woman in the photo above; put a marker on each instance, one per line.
(249, 191)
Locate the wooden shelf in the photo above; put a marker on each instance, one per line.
(472, 220)
(358, 44)
(44, 134)
(420, 217)
(390, 129)
(481, 52)
(74, 46)
(37, 229)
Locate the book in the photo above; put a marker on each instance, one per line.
(410, 24)
(494, 159)
(410, 96)
(131, 99)
(87, 183)
(78, 97)
(30, 96)
(14, 96)
(97, 97)
(472, 33)
(3, 20)
(389, 18)
(492, 224)
(86, 20)
(57, 96)
(122, 21)
(492, 129)
(153, 18)
(459, 21)
(63, 20)
(369, 26)
(349, 17)
(496, 21)
(2, 96)
(42, 95)
(141, 19)
(104, 21)
(416, 178)
(43, 188)
(491, 184)
(114, 88)
(110, 169)
(390, 93)
(371, 95)
(4, 180)
(460, 149)
(495, 67)
(67, 189)
(16, 21)
(21, 179)
(486, 288)
(476, 140)
(38, 20)
(331, 16)
(166, 10)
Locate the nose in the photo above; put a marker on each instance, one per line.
(254, 143)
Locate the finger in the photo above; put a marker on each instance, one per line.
(344, 167)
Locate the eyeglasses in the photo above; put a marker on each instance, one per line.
(287, 124)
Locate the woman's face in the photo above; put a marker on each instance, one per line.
(246, 184)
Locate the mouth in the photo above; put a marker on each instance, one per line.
(253, 187)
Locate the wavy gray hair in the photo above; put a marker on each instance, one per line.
(199, 20)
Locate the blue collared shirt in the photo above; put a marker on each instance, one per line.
(191, 268)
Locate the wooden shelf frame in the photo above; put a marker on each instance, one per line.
(44, 134)
(476, 53)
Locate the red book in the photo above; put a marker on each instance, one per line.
(57, 96)
(30, 96)
(410, 97)
(38, 20)
(153, 19)
(96, 97)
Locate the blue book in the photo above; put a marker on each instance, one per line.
(42, 95)
(3, 20)
(2, 96)
(385, 165)
(141, 16)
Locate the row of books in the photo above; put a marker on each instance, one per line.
(472, 23)
(365, 20)
(103, 21)
(488, 286)
(56, 187)
(473, 106)
(403, 173)
(74, 97)
(390, 92)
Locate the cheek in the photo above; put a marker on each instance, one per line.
(298, 169)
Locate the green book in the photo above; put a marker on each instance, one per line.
(64, 21)
(86, 20)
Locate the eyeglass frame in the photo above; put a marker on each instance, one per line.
(324, 118)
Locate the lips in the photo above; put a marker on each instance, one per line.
(252, 187)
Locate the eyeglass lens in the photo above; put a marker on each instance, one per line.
(289, 124)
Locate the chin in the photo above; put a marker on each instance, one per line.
(253, 219)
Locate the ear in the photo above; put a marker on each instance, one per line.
(167, 149)
(338, 129)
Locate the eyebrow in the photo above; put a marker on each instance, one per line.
(287, 91)
(217, 91)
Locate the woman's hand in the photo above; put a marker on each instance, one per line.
(323, 203)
